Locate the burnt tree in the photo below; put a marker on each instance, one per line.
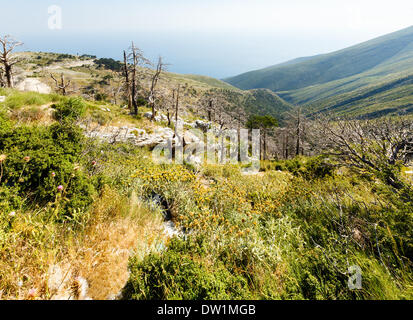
(152, 91)
(7, 45)
(61, 85)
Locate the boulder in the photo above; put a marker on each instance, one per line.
(158, 118)
(190, 137)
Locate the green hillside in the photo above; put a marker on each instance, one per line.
(86, 73)
(393, 97)
(326, 80)
(264, 101)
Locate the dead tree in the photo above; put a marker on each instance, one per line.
(286, 135)
(240, 116)
(2, 81)
(295, 124)
(7, 45)
(61, 85)
(127, 81)
(169, 105)
(177, 109)
(133, 61)
(209, 104)
(376, 146)
(265, 124)
(216, 106)
(135, 53)
(152, 91)
(115, 91)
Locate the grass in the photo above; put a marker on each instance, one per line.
(289, 232)
(276, 233)
(16, 100)
(45, 256)
(98, 250)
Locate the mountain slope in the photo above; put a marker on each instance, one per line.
(393, 97)
(307, 79)
(93, 80)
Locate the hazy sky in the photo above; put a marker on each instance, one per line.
(213, 37)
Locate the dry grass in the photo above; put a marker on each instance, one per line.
(102, 256)
(54, 262)
(41, 114)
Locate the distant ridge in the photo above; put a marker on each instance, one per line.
(319, 79)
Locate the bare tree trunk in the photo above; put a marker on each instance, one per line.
(9, 81)
(152, 94)
(286, 145)
(2, 83)
(298, 142)
(133, 87)
(176, 110)
(265, 145)
(168, 114)
(210, 111)
(62, 85)
(8, 45)
(127, 82)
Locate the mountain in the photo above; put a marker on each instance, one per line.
(392, 97)
(381, 62)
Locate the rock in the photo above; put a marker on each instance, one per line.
(158, 118)
(190, 138)
(33, 84)
(160, 136)
(2, 98)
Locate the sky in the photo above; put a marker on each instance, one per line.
(218, 38)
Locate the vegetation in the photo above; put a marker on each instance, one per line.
(97, 218)
(67, 209)
(279, 237)
(109, 63)
(370, 79)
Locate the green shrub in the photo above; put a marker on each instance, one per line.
(308, 167)
(176, 275)
(39, 159)
(69, 110)
(9, 201)
(318, 167)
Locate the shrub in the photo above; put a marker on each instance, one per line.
(310, 168)
(39, 159)
(69, 110)
(318, 167)
(176, 275)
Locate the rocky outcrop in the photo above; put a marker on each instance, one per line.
(158, 118)
(137, 136)
(33, 84)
